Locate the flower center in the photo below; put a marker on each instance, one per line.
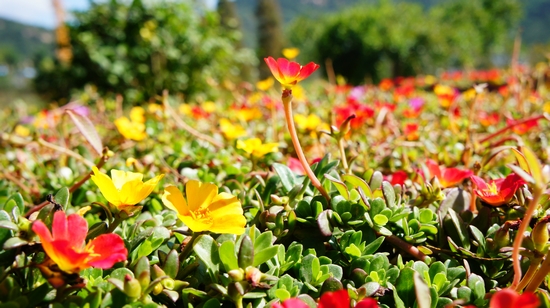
(202, 214)
(492, 190)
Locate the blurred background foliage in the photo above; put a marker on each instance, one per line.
(139, 48)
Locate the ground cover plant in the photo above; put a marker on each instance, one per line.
(416, 192)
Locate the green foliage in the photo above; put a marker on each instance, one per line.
(270, 32)
(139, 50)
(365, 43)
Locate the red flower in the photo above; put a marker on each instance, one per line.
(522, 128)
(362, 113)
(497, 192)
(295, 165)
(487, 119)
(411, 131)
(340, 299)
(291, 303)
(508, 298)
(68, 249)
(447, 177)
(289, 73)
(398, 177)
(367, 303)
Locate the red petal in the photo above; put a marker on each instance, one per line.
(504, 298)
(108, 249)
(528, 300)
(77, 229)
(291, 303)
(273, 67)
(434, 169)
(67, 258)
(453, 176)
(338, 299)
(479, 182)
(42, 231)
(367, 303)
(288, 69)
(59, 226)
(308, 70)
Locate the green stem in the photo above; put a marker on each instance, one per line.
(287, 103)
(535, 262)
(188, 247)
(115, 223)
(540, 275)
(343, 155)
(537, 194)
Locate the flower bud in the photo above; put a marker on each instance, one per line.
(132, 288)
(236, 274)
(540, 235)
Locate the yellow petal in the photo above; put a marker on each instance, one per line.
(233, 224)
(199, 194)
(196, 225)
(173, 199)
(106, 186)
(225, 204)
(121, 177)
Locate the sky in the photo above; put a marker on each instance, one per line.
(40, 12)
(36, 12)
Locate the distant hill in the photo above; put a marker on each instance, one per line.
(20, 42)
(534, 24)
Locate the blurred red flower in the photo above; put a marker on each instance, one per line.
(497, 192)
(289, 73)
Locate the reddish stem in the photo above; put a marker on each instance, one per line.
(491, 136)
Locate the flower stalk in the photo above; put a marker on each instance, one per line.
(287, 103)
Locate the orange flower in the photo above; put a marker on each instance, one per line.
(508, 298)
(289, 73)
(447, 177)
(66, 244)
(497, 192)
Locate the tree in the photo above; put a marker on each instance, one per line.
(270, 33)
(140, 49)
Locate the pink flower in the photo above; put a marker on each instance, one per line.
(497, 192)
(447, 177)
(291, 303)
(289, 73)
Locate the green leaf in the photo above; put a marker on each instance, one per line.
(405, 286)
(340, 186)
(62, 197)
(246, 252)
(373, 246)
(380, 219)
(87, 129)
(228, 257)
(265, 255)
(263, 241)
(207, 250)
(358, 182)
(423, 300)
(389, 193)
(17, 201)
(287, 177)
(171, 265)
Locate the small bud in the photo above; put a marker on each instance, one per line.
(540, 235)
(157, 289)
(132, 288)
(502, 236)
(236, 274)
(253, 275)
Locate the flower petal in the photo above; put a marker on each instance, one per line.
(173, 199)
(503, 299)
(77, 228)
(106, 186)
(288, 69)
(232, 224)
(66, 257)
(338, 299)
(122, 177)
(108, 249)
(274, 68)
(197, 225)
(199, 195)
(60, 230)
(479, 182)
(307, 70)
(367, 303)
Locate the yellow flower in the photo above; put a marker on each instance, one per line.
(266, 84)
(546, 107)
(311, 122)
(248, 114)
(291, 53)
(209, 106)
(255, 147)
(22, 131)
(131, 129)
(185, 109)
(154, 108)
(124, 189)
(137, 114)
(298, 93)
(231, 131)
(205, 208)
